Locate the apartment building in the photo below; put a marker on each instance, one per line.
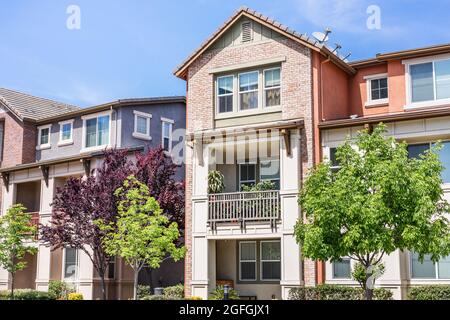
(266, 103)
(64, 141)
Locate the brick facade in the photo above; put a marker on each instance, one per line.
(296, 93)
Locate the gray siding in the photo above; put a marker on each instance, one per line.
(123, 119)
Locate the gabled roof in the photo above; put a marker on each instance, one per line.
(271, 24)
(31, 108)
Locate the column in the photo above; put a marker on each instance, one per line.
(200, 250)
(8, 200)
(44, 253)
(290, 174)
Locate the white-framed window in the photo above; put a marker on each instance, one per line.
(428, 81)
(225, 94)
(65, 132)
(44, 133)
(342, 269)
(272, 87)
(166, 134)
(70, 264)
(247, 174)
(96, 131)
(270, 253)
(334, 163)
(248, 90)
(377, 89)
(269, 170)
(415, 150)
(142, 125)
(428, 269)
(247, 261)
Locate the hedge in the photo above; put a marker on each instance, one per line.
(432, 292)
(335, 292)
(26, 294)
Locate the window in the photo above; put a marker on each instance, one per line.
(167, 134)
(44, 137)
(112, 268)
(247, 261)
(430, 81)
(428, 269)
(333, 160)
(65, 132)
(415, 150)
(142, 125)
(342, 269)
(272, 87)
(70, 264)
(247, 174)
(97, 131)
(248, 90)
(225, 94)
(270, 260)
(377, 89)
(269, 170)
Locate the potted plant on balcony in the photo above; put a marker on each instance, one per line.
(215, 182)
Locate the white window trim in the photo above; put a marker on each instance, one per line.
(92, 116)
(370, 102)
(258, 90)
(236, 96)
(170, 122)
(436, 270)
(261, 259)
(225, 95)
(68, 141)
(48, 145)
(148, 118)
(271, 88)
(408, 82)
(77, 261)
(246, 181)
(255, 261)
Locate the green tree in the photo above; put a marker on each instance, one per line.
(142, 235)
(15, 231)
(380, 200)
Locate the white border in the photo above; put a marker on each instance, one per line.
(47, 145)
(62, 142)
(92, 116)
(148, 117)
(261, 260)
(170, 122)
(369, 101)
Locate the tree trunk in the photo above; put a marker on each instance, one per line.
(102, 277)
(136, 277)
(12, 286)
(368, 293)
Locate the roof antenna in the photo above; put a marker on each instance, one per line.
(347, 56)
(322, 37)
(336, 49)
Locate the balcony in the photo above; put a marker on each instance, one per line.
(243, 207)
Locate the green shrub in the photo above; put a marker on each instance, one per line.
(75, 296)
(432, 292)
(335, 292)
(261, 186)
(157, 297)
(218, 294)
(26, 294)
(174, 292)
(143, 291)
(59, 290)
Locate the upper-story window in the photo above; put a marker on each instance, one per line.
(142, 125)
(167, 125)
(429, 82)
(44, 137)
(96, 129)
(377, 89)
(65, 132)
(415, 150)
(250, 91)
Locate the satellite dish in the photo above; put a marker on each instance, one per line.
(320, 36)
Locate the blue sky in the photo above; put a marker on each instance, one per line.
(129, 48)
